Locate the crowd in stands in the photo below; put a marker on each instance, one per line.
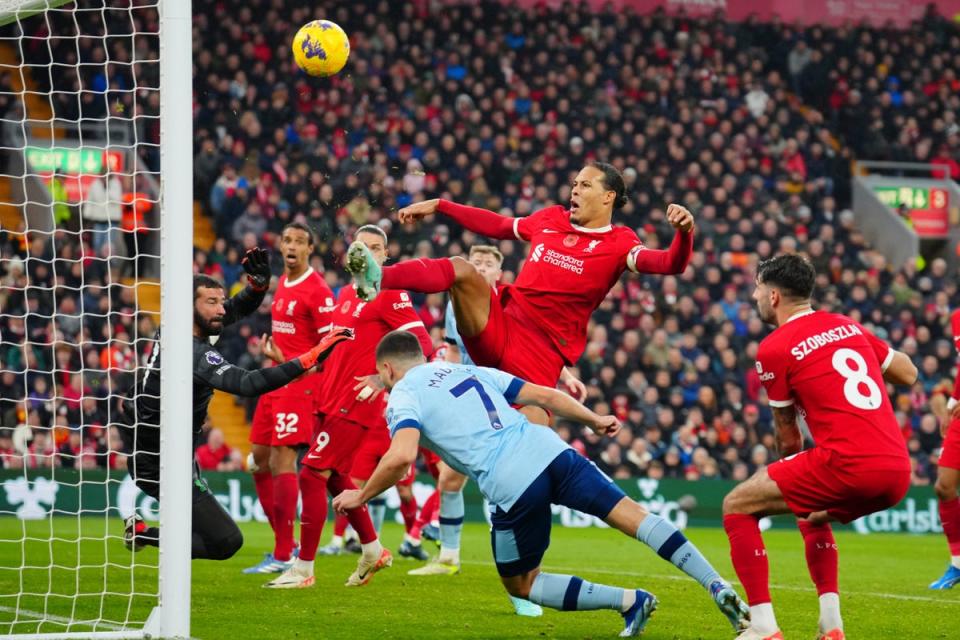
(752, 126)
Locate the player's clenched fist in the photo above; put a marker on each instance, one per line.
(606, 426)
(418, 210)
(680, 217)
(347, 501)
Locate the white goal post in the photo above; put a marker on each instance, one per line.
(96, 252)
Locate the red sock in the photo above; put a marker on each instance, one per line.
(408, 510)
(749, 556)
(428, 512)
(340, 525)
(314, 514)
(263, 482)
(822, 557)
(284, 511)
(359, 518)
(425, 275)
(950, 517)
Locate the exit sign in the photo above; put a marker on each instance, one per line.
(72, 161)
(927, 207)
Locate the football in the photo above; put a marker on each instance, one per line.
(321, 48)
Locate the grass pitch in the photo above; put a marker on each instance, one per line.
(883, 582)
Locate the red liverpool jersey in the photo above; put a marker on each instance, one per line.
(832, 369)
(301, 312)
(568, 272)
(390, 310)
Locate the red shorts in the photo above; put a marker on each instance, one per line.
(336, 443)
(286, 416)
(375, 446)
(261, 429)
(821, 480)
(511, 342)
(950, 456)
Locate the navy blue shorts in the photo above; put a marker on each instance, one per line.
(521, 536)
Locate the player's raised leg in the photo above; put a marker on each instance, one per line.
(742, 509)
(948, 480)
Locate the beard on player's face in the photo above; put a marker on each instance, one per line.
(208, 326)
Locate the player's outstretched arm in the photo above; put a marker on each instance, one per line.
(669, 261)
(393, 466)
(214, 370)
(478, 220)
(788, 436)
(566, 407)
(256, 264)
(900, 369)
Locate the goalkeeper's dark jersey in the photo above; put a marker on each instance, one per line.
(210, 371)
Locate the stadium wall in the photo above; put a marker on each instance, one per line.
(32, 495)
(831, 12)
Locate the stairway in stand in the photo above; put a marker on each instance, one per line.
(224, 412)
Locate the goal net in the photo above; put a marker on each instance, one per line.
(85, 112)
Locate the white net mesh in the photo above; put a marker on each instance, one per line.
(79, 183)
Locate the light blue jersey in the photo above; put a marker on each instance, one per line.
(463, 413)
(452, 333)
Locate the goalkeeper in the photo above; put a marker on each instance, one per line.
(215, 535)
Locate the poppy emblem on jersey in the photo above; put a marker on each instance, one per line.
(345, 308)
(570, 240)
(214, 358)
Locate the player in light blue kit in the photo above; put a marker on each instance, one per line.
(463, 413)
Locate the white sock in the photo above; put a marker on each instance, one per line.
(762, 618)
(830, 612)
(303, 567)
(372, 550)
(449, 556)
(629, 598)
(955, 561)
(337, 541)
(414, 541)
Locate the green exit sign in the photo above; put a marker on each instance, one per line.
(913, 197)
(65, 160)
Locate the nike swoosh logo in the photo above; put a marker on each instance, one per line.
(281, 436)
(550, 231)
(362, 575)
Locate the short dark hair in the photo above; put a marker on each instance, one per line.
(374, 229)
(301, 227)
(613, 181)
(794, 275)
(205, 281)
(399, 344)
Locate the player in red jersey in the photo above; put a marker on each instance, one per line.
(351, 405)
(284, 420)
(537, 325)
(948, 475)
(828, 370)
